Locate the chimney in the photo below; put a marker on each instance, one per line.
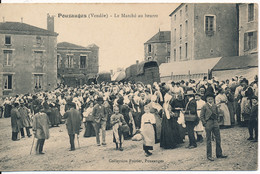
(111, 72)
(3, 19)
(50, 22)
(21, 20)
(137, 61)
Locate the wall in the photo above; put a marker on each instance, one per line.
(158, 52)
(23, 62)
(224, 41)
(175, 24)
(76, 75)
(245, 26)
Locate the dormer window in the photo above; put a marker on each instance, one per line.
(38, 40)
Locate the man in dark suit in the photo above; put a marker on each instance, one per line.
(209, 118)
(72, 123)
(100, 118)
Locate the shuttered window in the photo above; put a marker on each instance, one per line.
(8, 82)
(8, 57)
(250, 40)
(250, 12)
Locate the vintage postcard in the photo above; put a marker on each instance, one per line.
(129, 87)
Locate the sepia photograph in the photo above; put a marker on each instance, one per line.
(129, 87)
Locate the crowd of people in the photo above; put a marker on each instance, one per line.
(158, 113)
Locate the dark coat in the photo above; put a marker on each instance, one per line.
(15, 120)
(25, 118)
(73, 121)
(207, 111)
(254, 113)
(99, 113)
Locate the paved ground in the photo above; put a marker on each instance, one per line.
(15, 156)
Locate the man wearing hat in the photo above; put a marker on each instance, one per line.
(209, 118)
(73, 123)
(253, 120)
(191, 108)
(100, 119)
(15, 121)
(25, 119)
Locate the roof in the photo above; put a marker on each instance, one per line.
(237, 62)
(184, 67)
(118, 76)
(92, 46)
(68, 45)
(161, 36)
(22, 28)
(176, 9)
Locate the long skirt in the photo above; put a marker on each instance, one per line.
(158, 127)
(244, 109)
(226, 117)
(89, 129)
(170, 135)
(7, 112)
(148, 136)
(199, 127)
(231, 109)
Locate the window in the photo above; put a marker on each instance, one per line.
(180, 53)
(82, 61)
(168, 47)
(174, 55)
(149, 58)
(180, 31)
(186, 50)
(250, 12)
(69, 61)
(38, 81)
(180, 14)
(250, 40)
(8, 57)
(174, 17)
(209, 23)
(167, 59)
(38, 40)
(149, 48)
(186, 8)
(174, 39)
(38, 55)
(186, 28)
(7, 40)
(8, 82)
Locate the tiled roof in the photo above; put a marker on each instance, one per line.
(68, 45)
(92, 46)
(161, 36)
(22, 28)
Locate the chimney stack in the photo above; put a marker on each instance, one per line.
(3, 19)
(50, 22)
(21, 19)
(111, 72)
(137, 61)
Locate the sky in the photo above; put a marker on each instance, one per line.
(121, 40)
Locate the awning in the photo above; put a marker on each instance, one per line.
(118, 76)
(248, 73)
(237, 62)
(186, 67)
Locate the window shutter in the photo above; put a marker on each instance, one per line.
(245, 42)
(255, 39)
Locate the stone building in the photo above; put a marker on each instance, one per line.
(158, 47)
(203, 30)
(248, 28)
(27, 58)
(76, 64)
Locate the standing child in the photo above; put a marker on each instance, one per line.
(148, 130)
(253, 120)
(116, 121)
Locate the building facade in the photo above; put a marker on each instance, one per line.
(27, 57)
(203, 31)
(76, 64)
(158, 47)
(248, 28)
